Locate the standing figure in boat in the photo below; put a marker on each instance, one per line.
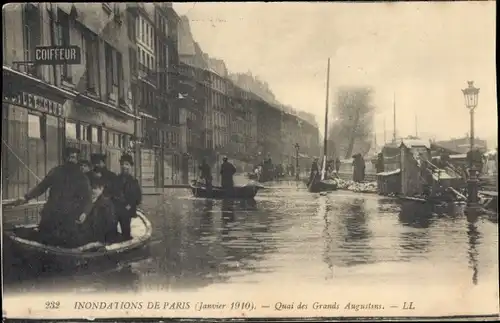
(314, 175)
(267, 166)
(379, 166)
(206, 174)
(69, 200)
(99, 162)
(128, 195)
(101, 224)
(227, 171)
(337, 165)
(359, 168)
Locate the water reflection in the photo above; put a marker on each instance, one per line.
(346, 234)
(415, 215)
(415, 240)
(292, 233)
(474, 238)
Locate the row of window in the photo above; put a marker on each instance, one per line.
(220, 139)
(147, 59)
(220, 119)
(94, 134)
(170, 139)
(79, 131)
(145, 33)
(162, 23)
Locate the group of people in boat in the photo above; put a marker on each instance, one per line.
(86, 201)
(332, 168)
(227, 171)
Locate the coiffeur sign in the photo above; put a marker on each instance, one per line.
(58, 55)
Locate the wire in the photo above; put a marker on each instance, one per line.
(20, 160)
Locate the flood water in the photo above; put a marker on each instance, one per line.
(288, 235)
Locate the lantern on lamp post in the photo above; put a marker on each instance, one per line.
(297, 170)
(471, 94)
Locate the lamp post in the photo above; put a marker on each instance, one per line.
(471, 97)
(297, 171)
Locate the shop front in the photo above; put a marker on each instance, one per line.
(32, 132)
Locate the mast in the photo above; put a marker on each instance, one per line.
(416, 126)
(325, 143)
(385, 137)
(394, 118)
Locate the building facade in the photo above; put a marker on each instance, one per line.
(48, 107)
(154, 78)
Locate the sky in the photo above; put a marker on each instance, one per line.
(421, 53)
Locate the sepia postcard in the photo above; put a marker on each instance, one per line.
(250, 160)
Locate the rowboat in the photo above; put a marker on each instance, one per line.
(247, 191)
(22, 240)
(323, 186)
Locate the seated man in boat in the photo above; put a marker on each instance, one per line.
(86, 167)
(69, 199)
(227, 171)
(206, 174)
(101, 223)
(128, 195)
(99, 162)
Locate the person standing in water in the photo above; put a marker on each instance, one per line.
(128, 195)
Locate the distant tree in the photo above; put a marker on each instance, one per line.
(353, 125)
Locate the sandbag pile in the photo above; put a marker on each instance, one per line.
(370, 187)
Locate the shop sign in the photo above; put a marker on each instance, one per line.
(36, 102)
(58, 55)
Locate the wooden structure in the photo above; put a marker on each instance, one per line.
(409, 172)
(389, 182)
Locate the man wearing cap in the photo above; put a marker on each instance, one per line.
(99, 162)
(69, 201)
(227, 171)
(128, 195)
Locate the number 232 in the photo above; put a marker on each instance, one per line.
(52, 305)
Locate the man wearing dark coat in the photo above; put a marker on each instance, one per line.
(379, 166)
(101, 224)
(99, 162)
(128, 195)
(206, 173)
(359, 168)
(227, 171)
(69, 200)
(314, 174)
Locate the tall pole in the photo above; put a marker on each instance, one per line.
(471, 136)
(385, 133)
(326, 108)
(416, 126)
(297, 175)
(394, 118)
(326, 120)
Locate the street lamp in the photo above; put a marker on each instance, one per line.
(471, 97)
(297, 147)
